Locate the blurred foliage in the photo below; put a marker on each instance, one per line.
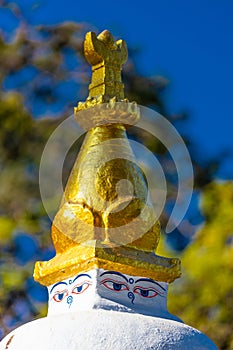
(203, 297)
(42, 76)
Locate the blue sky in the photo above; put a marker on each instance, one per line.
(188, 42)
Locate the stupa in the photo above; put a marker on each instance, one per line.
(107, 288)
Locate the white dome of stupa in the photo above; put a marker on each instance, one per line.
(104, 329)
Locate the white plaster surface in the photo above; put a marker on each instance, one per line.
(94, 289)
(102, 330)
(101, 309)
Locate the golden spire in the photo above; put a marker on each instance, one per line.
(98, 226)
(106, 58)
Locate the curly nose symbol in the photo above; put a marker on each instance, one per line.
(70, 300)
(131, 296)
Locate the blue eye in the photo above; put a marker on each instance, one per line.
(59, 296)
(146, 293)
(115, 286)
(79, 289)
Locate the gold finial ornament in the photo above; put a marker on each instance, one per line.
(105, 220)
(106, 58)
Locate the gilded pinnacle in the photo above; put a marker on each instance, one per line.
(105, 219)
(106, 57)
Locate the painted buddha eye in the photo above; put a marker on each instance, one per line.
(114, 285)
(80, 288)
(146, 292)
(59, 296)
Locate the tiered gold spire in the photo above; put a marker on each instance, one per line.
(96, 226)
(106, 58)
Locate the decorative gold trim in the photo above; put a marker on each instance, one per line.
(123, 259)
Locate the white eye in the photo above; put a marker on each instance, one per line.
(114, 285)
(80, 288)
(146, 292)
(59, 296)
